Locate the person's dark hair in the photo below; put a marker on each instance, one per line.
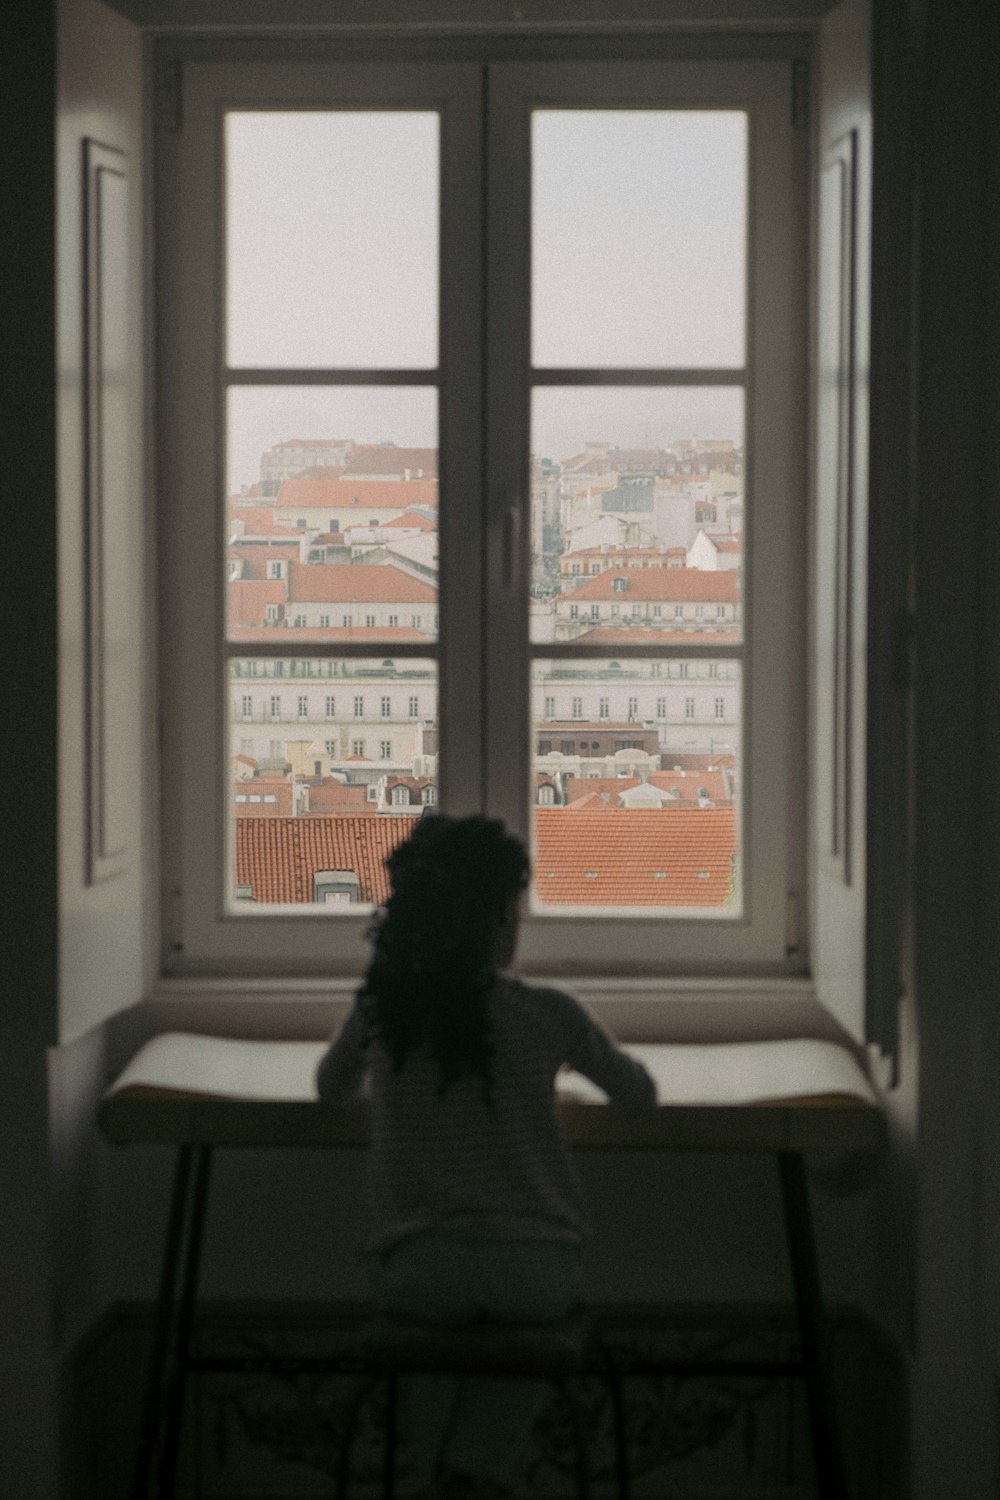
(434, 961)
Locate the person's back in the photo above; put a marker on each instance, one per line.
(478, 1212)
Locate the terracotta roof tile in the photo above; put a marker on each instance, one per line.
(634, 856)
(355, 583)
(379, 458)
(278, 857)
(248, 599)
(671, 584)
(349, 494)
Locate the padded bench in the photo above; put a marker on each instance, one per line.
(794, 1099)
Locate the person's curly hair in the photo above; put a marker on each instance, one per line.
(433, 965)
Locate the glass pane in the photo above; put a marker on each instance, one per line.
(331, 513)
(639, 237)
(636, 784)
(332, 238)
(636, 514)
(331, 764)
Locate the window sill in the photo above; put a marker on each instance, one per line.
(671, 1010)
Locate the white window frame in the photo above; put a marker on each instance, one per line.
(485, 740)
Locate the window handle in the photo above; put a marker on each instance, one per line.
(511, 540)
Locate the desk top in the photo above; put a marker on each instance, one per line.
(796, 1095)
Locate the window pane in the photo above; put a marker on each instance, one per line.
(332, 239)
(636, 779)
(639, 237)
(331, 764)
(636, 514)
(331, 519)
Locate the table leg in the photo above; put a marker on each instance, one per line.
(162, 1327)
(831, 1481)
(185, 1319)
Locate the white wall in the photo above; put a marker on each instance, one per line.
(101, 925)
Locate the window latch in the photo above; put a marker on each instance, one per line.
(511, 540)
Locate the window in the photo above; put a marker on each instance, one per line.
(720, 708)
(385, 749)
(484, 348)
(385, 707)
(604, 708)
(275, 707)
(330, 747)
(331, 706)
(689, 708)
(550, 708)
(303, 706)
(324, 621)
(661, 708)
(400, 796)
(429, 795)
(246, 706)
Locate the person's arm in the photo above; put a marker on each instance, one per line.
(341, 1070)
(593, 1051)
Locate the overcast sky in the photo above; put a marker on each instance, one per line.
(332, 261)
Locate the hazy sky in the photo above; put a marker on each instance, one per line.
(638, 259)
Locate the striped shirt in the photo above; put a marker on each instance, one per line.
(459, 1167)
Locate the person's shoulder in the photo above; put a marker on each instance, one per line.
(538, 1002)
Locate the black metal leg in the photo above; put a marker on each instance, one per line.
(831, 1480)
(185, 1319)
(391, 1394)
(156, 1372)
(579, 1441)
(621, 1451)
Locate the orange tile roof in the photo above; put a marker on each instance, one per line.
(248, 599)
(330, 795)
(686, 785)
(278, 787)
(348, 494)
(379, 458)
(690, 762)
(278, 857)
(672, 584)
(355, 583)
(411, 518)
(634, 856)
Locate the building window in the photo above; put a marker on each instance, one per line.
(661, 708)
(604, 708)
(550, 707)
(619, 352)
(246, 707)
(331, 706)
(414, 708)
(331, 747)
(385, 749)
(546, 795)
(275, 707)
(400, 796)
(303, 706)
(720, 708)
(699, 611)
(393, 620)
(386, 707)
(689, 708)
(429, 795)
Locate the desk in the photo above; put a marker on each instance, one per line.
(790, 1098)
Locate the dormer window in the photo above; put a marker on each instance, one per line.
(620, 585)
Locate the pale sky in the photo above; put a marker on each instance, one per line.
(332, 253)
